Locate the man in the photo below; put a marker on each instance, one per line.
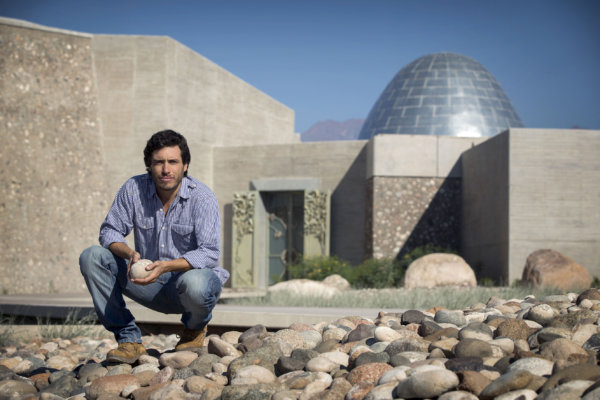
(176, 224)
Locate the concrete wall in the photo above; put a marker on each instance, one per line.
(554, 196)
(484, 211)
(53, 186)
(146, 84)
(417, 155)
(413, 192)
(340, 167)
(528, 189)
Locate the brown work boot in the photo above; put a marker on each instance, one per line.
(191, 340)
(127, 353)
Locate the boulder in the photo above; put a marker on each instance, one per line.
(337, 281)
(437, 270)
(549, 268)
(305, 287)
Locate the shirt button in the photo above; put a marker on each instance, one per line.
(162, 245)
(163, 228)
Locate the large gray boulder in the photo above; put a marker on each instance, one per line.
(438, 270)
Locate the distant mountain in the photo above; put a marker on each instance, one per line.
(333, 130)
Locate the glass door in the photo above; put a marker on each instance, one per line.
(285, 212)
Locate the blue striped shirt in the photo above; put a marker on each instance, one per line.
(191, 228)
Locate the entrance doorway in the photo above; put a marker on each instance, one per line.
(274, 224)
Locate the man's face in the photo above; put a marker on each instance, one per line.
(167, 169)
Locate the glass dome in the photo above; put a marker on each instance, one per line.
(442, 94)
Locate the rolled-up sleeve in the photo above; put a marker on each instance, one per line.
(119, 220)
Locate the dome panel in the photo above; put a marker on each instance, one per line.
(442, 94)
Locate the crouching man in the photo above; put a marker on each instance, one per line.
(176, 224)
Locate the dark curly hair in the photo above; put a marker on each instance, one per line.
(166, 138)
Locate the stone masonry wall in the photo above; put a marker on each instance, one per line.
(407, 212)
(52, 185)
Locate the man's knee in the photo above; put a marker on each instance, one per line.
(89, 258)
(200, 284)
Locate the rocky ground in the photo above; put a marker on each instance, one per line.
(505, 349)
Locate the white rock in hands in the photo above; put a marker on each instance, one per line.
(138, 269)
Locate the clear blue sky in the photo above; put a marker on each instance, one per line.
(331, 59)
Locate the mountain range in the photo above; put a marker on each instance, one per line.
(333, 130)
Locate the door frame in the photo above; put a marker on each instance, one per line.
(250, 230)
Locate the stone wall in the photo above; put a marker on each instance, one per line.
(53, 181)
(407, 212)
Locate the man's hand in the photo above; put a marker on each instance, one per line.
(134, 257)
(160, 267)
(120, 249)
(157, 268)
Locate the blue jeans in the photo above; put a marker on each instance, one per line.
(193, 293)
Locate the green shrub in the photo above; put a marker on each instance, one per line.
(319, 268)
(377, 273)
(486, 282)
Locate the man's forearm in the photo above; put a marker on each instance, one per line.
(177, 265)
(120, 249)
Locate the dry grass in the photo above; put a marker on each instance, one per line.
(71, 327)
(16, 329)
(453, 298)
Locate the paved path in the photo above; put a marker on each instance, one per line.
(60, 305)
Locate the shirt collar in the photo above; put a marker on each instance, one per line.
(184, 189)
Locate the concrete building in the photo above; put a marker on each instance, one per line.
(76, 111)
